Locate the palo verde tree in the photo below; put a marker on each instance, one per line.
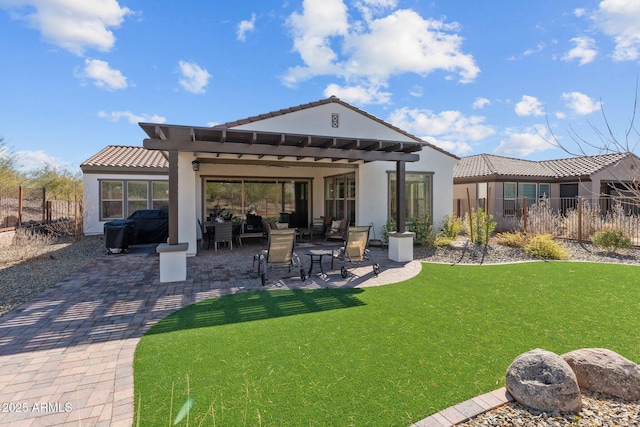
(10, 176)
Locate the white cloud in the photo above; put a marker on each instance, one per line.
(194, 78)
(103, 76)
(245, 27)
(581, 103)
(620, 19)
(480, 103)
(529, 106)
(74, 25)
(450, 130)
(523, 143)
(584, 50)
(579, 12)
(30, 160)
(358, 94)
(369, 8)
(371, 51)
(134, 119)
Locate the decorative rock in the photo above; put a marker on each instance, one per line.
(605, 371)
(542, 380)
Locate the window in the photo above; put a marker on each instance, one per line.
(119, 199)
(137, 195)
(280, 199)
(509, 198)
(160, 195)
(111, 200)
(482, 191)
(515, 193)
(418, 195)
(340, 197)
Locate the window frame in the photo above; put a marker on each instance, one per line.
(124, 200)
(428, 198)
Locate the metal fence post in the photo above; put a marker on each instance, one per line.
(579, 218)
(524, 213)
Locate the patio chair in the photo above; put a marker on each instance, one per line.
(206, 236)
(355, 250)
(223, 233)
(337, 231)
(279, 254)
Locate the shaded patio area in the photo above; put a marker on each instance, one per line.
(66, 357)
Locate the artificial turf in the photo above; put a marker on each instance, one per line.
(384, 356)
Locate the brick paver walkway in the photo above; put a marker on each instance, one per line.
(66, 357)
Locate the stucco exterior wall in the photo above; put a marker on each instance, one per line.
(91, 194)
(317, 121)
(373, 192)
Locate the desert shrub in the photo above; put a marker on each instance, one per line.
(543, 246)
(29, 244)
(591, 220)
(611, 240)
(513, 238)
(423, 228)
(541, 219)
(388, 227)
(452, 226)
(483, 226)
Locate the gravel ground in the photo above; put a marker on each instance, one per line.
(597, 410)
(25, 272)
(21, 280)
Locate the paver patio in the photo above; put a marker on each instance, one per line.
(66, 357)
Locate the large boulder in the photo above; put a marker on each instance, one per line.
(605, 371)
(542, 380)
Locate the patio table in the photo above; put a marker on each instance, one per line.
(316, 258)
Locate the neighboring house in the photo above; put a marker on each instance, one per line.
(500, 184)
(325, 158)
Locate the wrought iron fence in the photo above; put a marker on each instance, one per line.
(31, 207)
(575, 218)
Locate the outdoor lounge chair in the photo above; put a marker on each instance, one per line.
(279, 254)
(355, 250)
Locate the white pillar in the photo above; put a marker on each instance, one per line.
(401, 246)
(173, 262)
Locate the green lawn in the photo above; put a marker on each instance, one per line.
(385, 356)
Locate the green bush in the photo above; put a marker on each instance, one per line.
(483, 226)
(611, 240)
(423, 228)
(543, 246)
(452, 226)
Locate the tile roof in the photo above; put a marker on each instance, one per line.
(491, 165)
(119, 156)
(322, 102)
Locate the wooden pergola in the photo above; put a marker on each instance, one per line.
(210, 144)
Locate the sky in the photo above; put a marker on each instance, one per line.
(505, 77)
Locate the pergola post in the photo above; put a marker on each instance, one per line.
(173, 197)
(401, 242)
(173, 255)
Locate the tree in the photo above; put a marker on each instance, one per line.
(10, 176)
(60, 183)
(606, 141)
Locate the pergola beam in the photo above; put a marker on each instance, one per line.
(278, 151)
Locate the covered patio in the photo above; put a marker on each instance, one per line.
(201, 155)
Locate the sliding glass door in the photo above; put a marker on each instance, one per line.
(280, 200)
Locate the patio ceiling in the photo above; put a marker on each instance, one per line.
(265, 146)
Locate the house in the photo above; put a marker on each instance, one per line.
(500, 184)
(324, 158)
